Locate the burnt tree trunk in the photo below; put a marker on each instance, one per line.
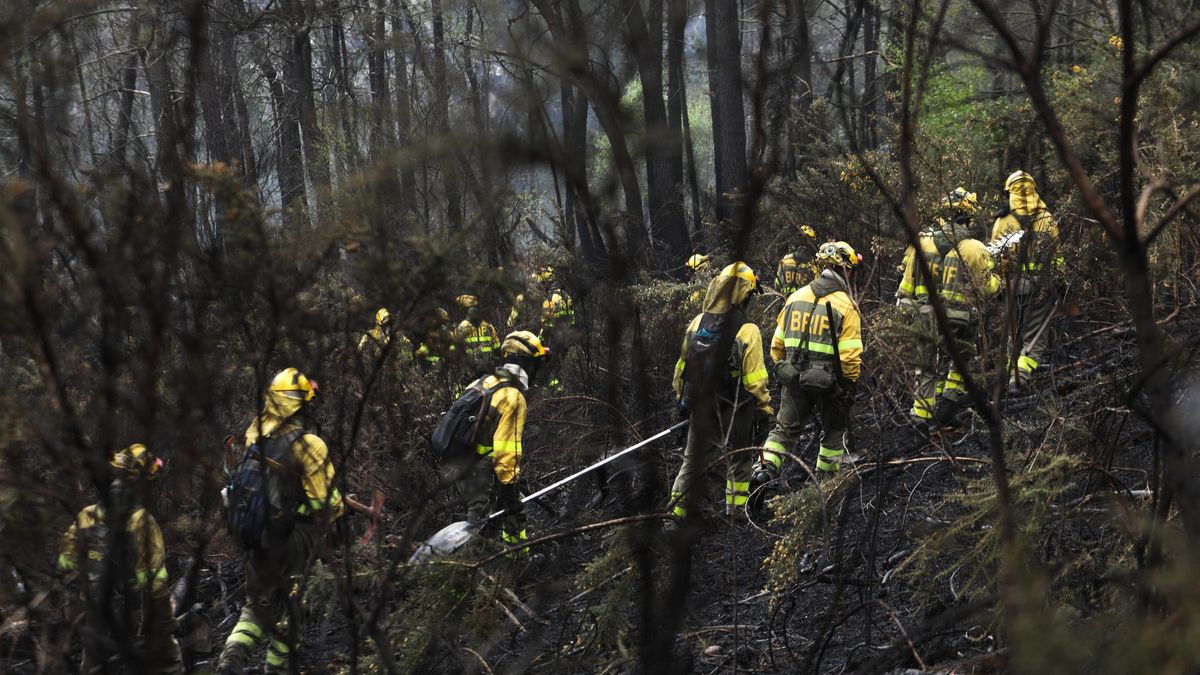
(728, 109)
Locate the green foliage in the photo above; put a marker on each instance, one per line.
(968, 539)
(606, 628)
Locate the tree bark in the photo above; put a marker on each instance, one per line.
(728, 109)
(298, 68)
(408, 180)
(677, 107)
(289, 172)
(664, 153)
(441, 111)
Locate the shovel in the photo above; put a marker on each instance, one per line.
(455, 535)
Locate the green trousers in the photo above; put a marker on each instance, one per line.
(710, 425)
(272, 608)
(475, 488)
(1034, 314)
(795, 409)
(155, 647)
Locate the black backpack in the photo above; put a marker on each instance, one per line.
(710, 358)
(459, 429)
(265, 492)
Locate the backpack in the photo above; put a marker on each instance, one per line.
(711, 358)
(265, 493)
(458, 431)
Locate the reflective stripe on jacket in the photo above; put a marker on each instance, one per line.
(508, 415)
(748, 351)
(967, 273)
(142, 536)
(312, 455)
(804, 316)
(1042, 234)
(558, 309)
(481, 339)
(912, 282)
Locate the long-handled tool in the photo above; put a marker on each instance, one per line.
(455, 535)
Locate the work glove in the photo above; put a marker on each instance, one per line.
(847, 390)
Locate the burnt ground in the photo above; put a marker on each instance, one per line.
(851, 601)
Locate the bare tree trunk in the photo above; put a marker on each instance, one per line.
(289, 171)
(677, 107)
(298, 68)
(728, 109)
(441, 111)
(664, 157)
(408, 180)
(383, 139)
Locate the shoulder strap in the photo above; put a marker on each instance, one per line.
(284, 442)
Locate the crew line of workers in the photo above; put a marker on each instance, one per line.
(721, 380)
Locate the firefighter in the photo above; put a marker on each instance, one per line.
(499, 449)
(697, 263)
(793, 268)
(438, 342)
(130, 621)
(817, 350)
(475, 333)
(952, 222)
(968, 280)
(1030, 283)
(275, 568)
(373, 343)
(558, 309)
(721, 382)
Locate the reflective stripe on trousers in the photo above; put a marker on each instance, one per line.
(827, 459)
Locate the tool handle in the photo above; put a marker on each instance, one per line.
(597, 465)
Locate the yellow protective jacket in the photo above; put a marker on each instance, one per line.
(723, 294)
(506, 420)
(912, 284)
(558, 309)
(323, 500)
(1026, 210)
(143, 536)
(373, 339)
(804, 322)
(479, 339)
(968, 274)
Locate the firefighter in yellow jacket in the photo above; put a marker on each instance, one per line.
(721, 381)
(968, 280)
(953, 222)
(499, 451)
(697, 264)
(130, 620)
(795, 269)
(817, 349)
(476, 334)
(272, 610)
(1031, 283)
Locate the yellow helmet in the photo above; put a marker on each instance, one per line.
(838, 254)
(697, 261)
(808, 231)
(961, 200)
(382, 317)
(1017, 179)
(443, 315)
(467, 301)
(293, 384)
(524, 343)
(740, 270)
(544, 274)
(137, 461)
